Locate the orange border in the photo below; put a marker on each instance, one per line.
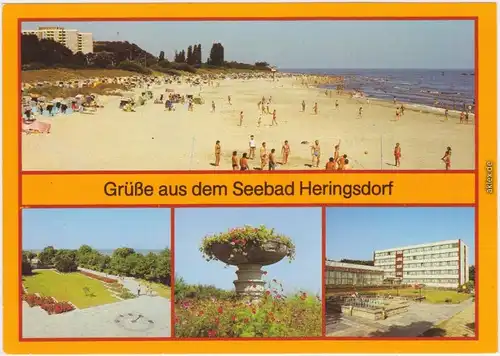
(485, 15)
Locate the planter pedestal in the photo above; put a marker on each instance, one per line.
(249, 282)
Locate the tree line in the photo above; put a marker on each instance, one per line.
(123, 261)
(44, 53)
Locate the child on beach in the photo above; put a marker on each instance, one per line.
(336, 104)
(303, 106)
(341, 162)
(285, 152)
(229, 100)
(213, 106)
(234, 161)
(397, 155)
(315, 108)
(397, 114)
(347, 166)
(447, 158)
(316, 154)
(402, 109)
(244, 162)
(241, 118)
(274, 119)
(259, 120)
(446, 114)
(217, 153)
(360, 112)
(252, 147)
(462, 117)
(336, 154)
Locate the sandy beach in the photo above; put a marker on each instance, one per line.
(154, 139)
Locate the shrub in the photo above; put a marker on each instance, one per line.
(99, 278)
(200, 291)
(125, 294)
(133, 67)
(276, 315)
(245, 236)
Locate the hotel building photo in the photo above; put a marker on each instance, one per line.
(73, 39)
(438, 264)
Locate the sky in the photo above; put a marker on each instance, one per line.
(302, 225)
(354, 233)
(303, 44)
(102, 229)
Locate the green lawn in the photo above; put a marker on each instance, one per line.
(435, 296)
(68, 287)
(161, 289)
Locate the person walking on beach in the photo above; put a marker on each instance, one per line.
(316, 154)
(360, 112)
(397, 114)
(336, 104)
(229, 100)
(303, 106)
(263, 156)
(462, 117)
(402, 109)
(285, 152)
(259, 120)
(330, 165)
(217, 153)
(244, 162)
(213, 106)
(315, 108)
(272, 160)
(446, 114)
(447, 158)
(274, 119)
(397, 155)
(241, 118)
(234, 161)
(252, 146)
(466, 117)
(267, 108)
(336, 154)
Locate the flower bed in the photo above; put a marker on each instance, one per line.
(242, 237)
(276, 315)
(98, 277)
(48, 304)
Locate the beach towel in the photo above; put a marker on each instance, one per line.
(36, 127)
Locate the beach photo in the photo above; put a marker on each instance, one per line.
(248, 273)
(96, 273)
(404, 272)
(248, 95)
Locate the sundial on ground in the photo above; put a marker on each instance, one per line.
(134, 322)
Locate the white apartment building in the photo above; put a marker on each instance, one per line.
(439, 264)
(73, 39)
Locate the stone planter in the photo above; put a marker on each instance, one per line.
(249, 261)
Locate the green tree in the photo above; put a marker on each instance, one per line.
(161, 57)
(46, 257)
(65, 261)
(26, 266)
(163, 267)
(472, 273)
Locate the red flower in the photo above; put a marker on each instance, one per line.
(253, 311)
(200, 313)
(219, 310)
(212, 333)
(233, 318)
(246, 320)
(217, 321)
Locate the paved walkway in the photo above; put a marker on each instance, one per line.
(419, 318)
(128, 282)
(139, 317)
(145, 316)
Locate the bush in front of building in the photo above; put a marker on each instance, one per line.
(275, 315)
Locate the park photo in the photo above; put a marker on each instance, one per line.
(248, 273)
(96, 273)
(400, 272)
(212, 98)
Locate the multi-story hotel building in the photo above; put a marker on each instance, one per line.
(340, 274)
(73, 39)
(438, 264)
